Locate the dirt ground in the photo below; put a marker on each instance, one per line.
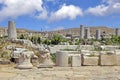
(8, 72)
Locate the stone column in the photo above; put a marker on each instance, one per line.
(81, 32)
(12, 30)
(87, 33)
(62, 58)
(5, 32)
(97, 36)
(117, 31)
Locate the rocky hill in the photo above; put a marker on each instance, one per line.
(76, 31)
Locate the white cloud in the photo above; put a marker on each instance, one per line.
(42, 15)
(111, 7)
(58, 28)
(65, 11)
(15, 8)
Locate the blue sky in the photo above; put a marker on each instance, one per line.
(59, 14)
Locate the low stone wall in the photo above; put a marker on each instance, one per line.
(105, 58)
(55, 48)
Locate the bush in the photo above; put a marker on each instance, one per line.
(53, 57)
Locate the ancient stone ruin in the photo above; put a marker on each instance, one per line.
(12, 30)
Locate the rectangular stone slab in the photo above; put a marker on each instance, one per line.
(90, 61)
(108, 60)
(76, 61)
(118, 59)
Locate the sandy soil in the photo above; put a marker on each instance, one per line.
(8, 72)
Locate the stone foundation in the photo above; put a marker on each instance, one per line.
(108, 60)
(90, 61)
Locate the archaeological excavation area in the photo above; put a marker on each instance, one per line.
(31, 56)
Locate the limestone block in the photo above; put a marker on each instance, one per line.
(108, 59)
(62, 58)
(76, 61)
(90, 61)
(118, 59)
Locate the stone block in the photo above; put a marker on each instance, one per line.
(118, 59)
(108, 60)
(76, 61)
(90, 61)
(62, 58)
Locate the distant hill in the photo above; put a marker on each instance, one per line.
(76, 31)
(73, 31)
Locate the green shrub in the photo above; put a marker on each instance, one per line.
(53, 57)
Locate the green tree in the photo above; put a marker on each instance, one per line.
(39, 40)
(22, 36)
(56, 39)
(47, 41)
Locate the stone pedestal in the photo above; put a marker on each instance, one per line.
(26, 64)
(90, 61)
(62, 58)
(108, 60)
(76, 61)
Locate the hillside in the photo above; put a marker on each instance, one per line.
(73, 31)
(76, 31)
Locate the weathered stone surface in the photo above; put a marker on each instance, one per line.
(62, 58)
(118, 59)
(3, 61)
(26, 64)
(81, 32)
(12, 30)
(76, 61)
(87, 33)
(98, 34)
(90, 61)
(46, 60)
(108, 59)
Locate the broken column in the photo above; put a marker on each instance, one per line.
(87, 33)
(62, 58)
(46, 61)
(117, 32)
(97, 36)
(12, 30)
(81, 32)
